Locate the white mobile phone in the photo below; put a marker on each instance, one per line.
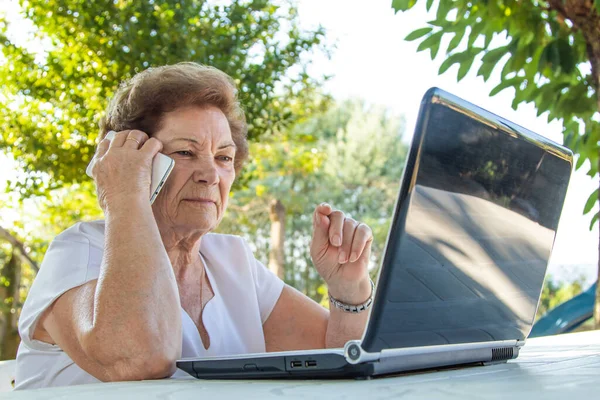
(161, 168)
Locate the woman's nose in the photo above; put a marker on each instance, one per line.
(205, 171)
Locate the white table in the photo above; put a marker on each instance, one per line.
(565, 367)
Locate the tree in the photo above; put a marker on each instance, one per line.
(51, 101)
(331, 157)
(550, 57)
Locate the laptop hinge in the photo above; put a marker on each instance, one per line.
(355, 354)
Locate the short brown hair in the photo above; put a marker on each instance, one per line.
(141, 102)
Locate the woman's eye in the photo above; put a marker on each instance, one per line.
(184, 153)
(226, 158)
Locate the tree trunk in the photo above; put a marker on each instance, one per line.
(585, 18)
(276, 254)
(15, 243)
(9, 335)
(593, 40)
(593, 49)
(597, 303)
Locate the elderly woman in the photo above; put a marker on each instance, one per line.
(124, 298)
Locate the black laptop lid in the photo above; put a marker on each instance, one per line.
(472, 232)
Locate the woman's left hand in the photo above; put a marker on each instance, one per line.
(340, 250)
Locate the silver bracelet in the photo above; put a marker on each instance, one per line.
(355, 308)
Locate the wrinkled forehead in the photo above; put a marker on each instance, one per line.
(199, 124)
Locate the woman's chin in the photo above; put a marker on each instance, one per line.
(192, 224)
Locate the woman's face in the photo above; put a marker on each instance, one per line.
(194, 197)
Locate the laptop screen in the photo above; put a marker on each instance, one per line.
(471, 237)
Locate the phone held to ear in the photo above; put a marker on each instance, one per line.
(161, 168)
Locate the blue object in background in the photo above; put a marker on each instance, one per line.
(567, 316)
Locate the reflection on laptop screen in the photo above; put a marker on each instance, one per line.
(480, 221)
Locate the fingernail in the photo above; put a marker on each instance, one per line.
(342, 257)
(353, 257)
(337, 240)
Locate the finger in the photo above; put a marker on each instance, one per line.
(348, 235)
(320, 228)
(100, 152)
(135, 139)
(363, 236)
(151, 147)
(320, 215)
(102, 148)
(336, 228)
(119, 138)
(324, 208)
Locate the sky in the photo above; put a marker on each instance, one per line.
(372, 61)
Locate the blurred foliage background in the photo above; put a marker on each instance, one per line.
(305, 147)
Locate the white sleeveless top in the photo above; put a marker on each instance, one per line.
(245, 293)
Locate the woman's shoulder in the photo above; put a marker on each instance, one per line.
(90, 232)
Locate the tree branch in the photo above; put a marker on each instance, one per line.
(558, 6)
(563, 13)
(6, 235)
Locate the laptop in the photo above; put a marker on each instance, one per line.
(465, 258)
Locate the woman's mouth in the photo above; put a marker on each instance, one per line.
(199, 200)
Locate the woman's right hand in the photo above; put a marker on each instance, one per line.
(123, 167)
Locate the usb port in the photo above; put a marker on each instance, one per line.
(296, 364)
(310, 363)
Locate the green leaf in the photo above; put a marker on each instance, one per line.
(488, 39)
(594, 220)
(493, 56)
(518, 60)
(465, 66)
(451, 60)
(569, 137)
(553, 56)
(417, 34)
(580, 161)
(532, 67)
(591, 153)
(444, 7)
(435, 48)
(402, 5)
(442, 23)
(506, 83)
(545, 98)
(506, 69)
(456, 40)
(475, 32)
(429, 4)
(527, 38)
(591, 201)
(486, 70)
(597, 5)
(432, 42)
(566, 56)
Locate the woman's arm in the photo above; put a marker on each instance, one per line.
(127, 324)
(298, 323)
(340, 250)
(136, 300)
